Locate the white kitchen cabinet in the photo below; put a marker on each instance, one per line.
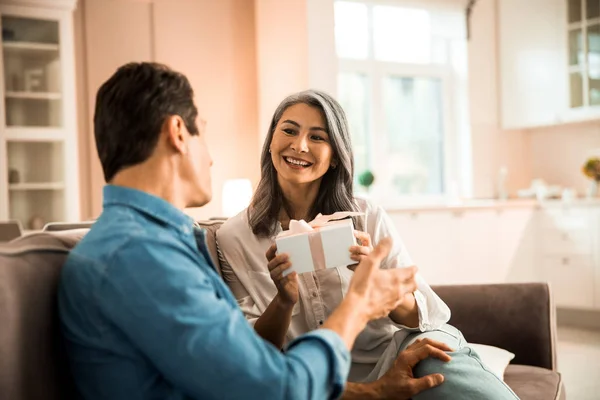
(551, 242)
(470, 246)
(549, 62)
(532, 62)
(566, 252)
(431, 243)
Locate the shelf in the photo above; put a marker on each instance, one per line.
(18, 134)
(37, 186)
(29, 46)
(33, 95)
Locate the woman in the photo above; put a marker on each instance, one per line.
(307, 169)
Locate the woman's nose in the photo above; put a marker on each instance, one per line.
(300, 144)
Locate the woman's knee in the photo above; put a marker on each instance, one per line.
(464, 374)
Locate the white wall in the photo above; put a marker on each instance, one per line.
(212, 42)
(492, 146)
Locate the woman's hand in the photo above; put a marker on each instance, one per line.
(363, 248)
(287, 286)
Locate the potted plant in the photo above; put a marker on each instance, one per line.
(591, 169)
(366, 179)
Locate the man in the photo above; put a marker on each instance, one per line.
(143, 311)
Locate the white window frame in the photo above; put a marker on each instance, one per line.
(376, 71)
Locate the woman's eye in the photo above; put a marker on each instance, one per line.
(289, 131)
(317, 138)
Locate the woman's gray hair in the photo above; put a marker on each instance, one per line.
(336, 189)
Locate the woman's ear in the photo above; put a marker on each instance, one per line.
(334, 164)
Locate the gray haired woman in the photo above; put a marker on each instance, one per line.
(307, 168)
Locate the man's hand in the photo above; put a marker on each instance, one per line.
(380, 291)
(399, 382)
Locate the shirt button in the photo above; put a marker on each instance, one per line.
(314, 294)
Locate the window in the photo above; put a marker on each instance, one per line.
(402, 81)
(584, 52)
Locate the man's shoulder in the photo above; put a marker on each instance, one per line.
(116, 238)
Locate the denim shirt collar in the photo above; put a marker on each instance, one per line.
(148, 204)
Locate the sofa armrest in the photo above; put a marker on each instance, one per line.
(517, 317)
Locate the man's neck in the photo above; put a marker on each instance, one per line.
(153, 180)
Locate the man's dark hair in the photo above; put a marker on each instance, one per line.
(131, 108)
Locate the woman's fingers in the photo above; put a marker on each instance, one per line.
(271, 252)
(276, 273)
(364, 238)
(364, 250)
(278, 259)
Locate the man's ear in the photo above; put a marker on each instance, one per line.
(176, 133)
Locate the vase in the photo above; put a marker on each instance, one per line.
(592, 192)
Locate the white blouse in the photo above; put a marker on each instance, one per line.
(244, 268)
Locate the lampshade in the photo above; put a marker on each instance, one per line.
(237, 194)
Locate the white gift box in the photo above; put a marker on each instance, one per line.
(323, 243)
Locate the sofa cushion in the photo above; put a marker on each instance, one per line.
(211, 242)
(534, 383)
(32, 364)
(525, 313)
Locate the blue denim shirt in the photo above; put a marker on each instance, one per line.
(145, 316)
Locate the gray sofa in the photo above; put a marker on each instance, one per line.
(517, 317)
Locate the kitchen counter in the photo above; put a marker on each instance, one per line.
(483, 204)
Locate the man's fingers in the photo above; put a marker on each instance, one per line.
(427, 341)
(427, 382)
(372, 262)
(381, 250)
(425, 351)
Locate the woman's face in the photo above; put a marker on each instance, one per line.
(300, 149)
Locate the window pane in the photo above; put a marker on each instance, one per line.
(402, 34)
(593, 33)
(592, 9)
(353, 95)
(574, 10)
(351, 30)
(414, 130)
(575, 47)
(594, 88)
(576, 83)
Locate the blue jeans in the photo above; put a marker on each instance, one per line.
(465, 376)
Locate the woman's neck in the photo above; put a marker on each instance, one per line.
(298, 199)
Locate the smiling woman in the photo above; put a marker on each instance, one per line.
(306, 154)
(307, 168)
(300, 148)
